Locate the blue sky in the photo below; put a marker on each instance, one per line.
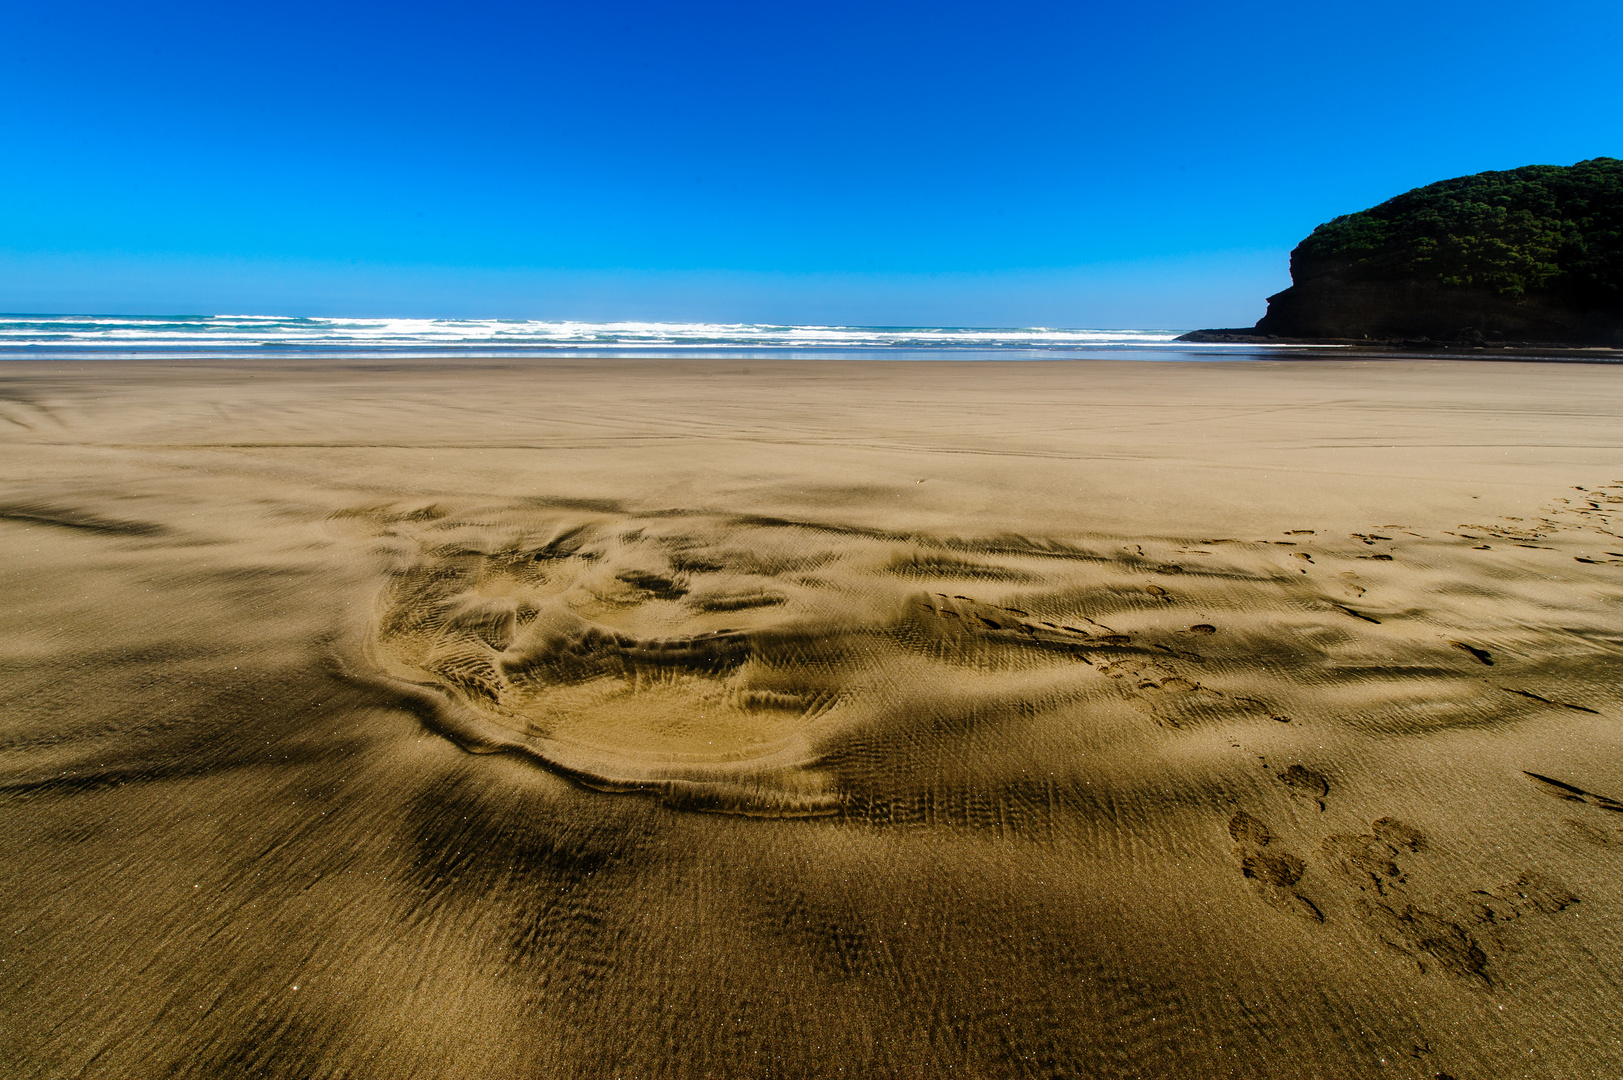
(986, 164)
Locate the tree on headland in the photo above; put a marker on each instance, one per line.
(1531, 255)
(1540, 228)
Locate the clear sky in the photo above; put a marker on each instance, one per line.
(1105, 164)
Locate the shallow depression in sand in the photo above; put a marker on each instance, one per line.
(697, 649)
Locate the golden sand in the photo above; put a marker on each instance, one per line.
(601, 718)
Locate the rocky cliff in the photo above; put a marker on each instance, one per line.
(1532, 254)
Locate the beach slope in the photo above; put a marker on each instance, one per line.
(589, 718)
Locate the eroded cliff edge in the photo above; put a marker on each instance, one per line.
(1530, 255)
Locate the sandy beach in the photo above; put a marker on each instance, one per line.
(738, 718)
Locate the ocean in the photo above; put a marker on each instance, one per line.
(112, 336)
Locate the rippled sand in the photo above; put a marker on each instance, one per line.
(745, 719)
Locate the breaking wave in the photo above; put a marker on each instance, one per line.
(211, 333)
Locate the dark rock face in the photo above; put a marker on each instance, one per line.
(1527, 255)
(1324, 303)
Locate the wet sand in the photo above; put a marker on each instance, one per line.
(799, 719)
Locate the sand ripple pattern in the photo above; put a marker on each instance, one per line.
(791, 668)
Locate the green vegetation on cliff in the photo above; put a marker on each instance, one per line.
(1538, 229)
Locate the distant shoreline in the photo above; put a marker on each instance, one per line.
(258, 338)
(1236, 349)
(1480, 350)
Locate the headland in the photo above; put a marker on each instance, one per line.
(1527, 259)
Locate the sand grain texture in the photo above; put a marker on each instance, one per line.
(751, 719)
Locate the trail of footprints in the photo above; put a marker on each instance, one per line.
(1459, 933)
(1591, 510)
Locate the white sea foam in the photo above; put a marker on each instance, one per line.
(140, 333)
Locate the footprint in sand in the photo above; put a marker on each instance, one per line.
(1305, 782)
(1458, 933)
(1368, 863)
(1272, 872)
